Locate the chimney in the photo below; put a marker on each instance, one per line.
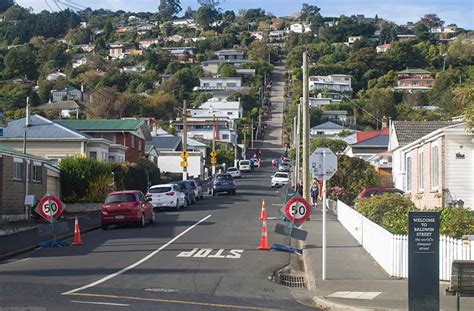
(384, 122)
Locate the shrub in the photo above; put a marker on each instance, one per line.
(456, 221)
(338, 193)
(388, 210)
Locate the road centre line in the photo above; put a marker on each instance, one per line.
(175, 301)
(102, 303)
(104, 279)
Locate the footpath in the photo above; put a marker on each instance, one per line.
(354, 280)
(16, 238)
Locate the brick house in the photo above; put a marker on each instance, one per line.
(130, 133)
(414, 80)
(42, 178)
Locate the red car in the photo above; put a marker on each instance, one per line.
(369, 192)
(126, 207)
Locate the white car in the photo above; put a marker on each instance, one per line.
(234, 172)
(280, 179)
(245, 166)
(168, 195)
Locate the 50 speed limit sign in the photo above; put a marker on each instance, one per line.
(297, 210)
(49, 207)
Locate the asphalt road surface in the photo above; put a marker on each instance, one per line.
(203, 257)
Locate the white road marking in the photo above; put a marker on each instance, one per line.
(187, 254)
(104, 279)
(102, 303)
(203, 253)
(355, 295)
(207, 253)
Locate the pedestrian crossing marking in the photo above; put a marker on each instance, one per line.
(355, 295)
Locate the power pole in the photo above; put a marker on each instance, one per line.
(295, 181)
(213, 142)
(185, 140)
(27, 162)
(235, 146)
(306, 177)
(251, 142)
(245, 145)
(298, 143)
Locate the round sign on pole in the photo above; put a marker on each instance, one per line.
(297, 210)
(49, 208)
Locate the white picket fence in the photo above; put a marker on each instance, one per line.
(391, 250)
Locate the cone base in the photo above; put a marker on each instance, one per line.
(77, 243)
(263, 248)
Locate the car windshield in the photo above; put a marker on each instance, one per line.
(244, 162)
(224, 177)
(120, 198)
(160, 189)
(281, 175)
(232, 169)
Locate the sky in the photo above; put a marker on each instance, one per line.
(460, 12)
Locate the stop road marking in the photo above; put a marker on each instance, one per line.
(208, 253)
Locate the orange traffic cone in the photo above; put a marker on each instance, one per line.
(263, 239)
(77, 234)
(263, 213)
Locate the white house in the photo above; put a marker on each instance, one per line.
(352, 39)
(327, 129)
(208, 128)
(219, 83)
(79, 60)
(382, 48)
(439, 168)
(333, 83)
(182, 23)
(258, 35)
(55, 75)
(230, 54)
(133, 69)
(230, 109)
(298, 28)
(169, 162)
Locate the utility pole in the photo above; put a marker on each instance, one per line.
(251, 142)
(298, 143)
(27, 123)
(306, 177)
(185, 140)
(213, 142)
(236, 157)
(295, 181)
(245, 144)
(27, 162)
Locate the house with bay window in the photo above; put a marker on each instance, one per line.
(436, 168)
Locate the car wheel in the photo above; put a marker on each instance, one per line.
(105, 227)
(142, 222)
(153, 217)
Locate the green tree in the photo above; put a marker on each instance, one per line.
(421, 31)
(431, 20)
(161, 106)
(461, 52)
(336, 145)
(259, 51)
(205, 16)
(378, 102)
(109, 30)
(308, 12)
(227, 70)
(168, 9)
(21, 62)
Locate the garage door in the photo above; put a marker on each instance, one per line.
(52, 185)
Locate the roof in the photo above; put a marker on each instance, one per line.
(165, 143)
(229, 52)
(376, 141)
(195, 143)
(67, 88)
(331, 112)
(41, 128)
(66, 104)
(230, 61)
(221, 78)
(363, 135)
(14, 152)
(414, 71)
(103, 124)
(220, 105)
(328, 126)
(409, 131)
(162, 132)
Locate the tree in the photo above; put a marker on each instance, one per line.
(107, 103)
(463, 98)
(227, 70)
(379, 102)
(205, 16)
(259, 51)
(431, 20)
(309, 12)
(336, 145)
(21, 62)
(108, 30)
(421, 31)
(5, 5)
(168, 9)
(160, 106)
(461, 52)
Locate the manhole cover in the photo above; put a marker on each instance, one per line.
(290, 280)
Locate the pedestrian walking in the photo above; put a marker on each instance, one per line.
(314, 192)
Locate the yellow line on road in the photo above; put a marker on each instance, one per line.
(184, 302)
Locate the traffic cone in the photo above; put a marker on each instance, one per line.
(77, 233)
(263, 239)
(263, 213)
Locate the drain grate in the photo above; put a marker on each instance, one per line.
(290, 280)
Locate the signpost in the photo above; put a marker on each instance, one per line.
(323, 164)
(297, 210)
(50, 208)
(423, 261)
(213, 157)
(2, 124)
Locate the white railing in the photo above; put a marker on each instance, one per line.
(391, 250)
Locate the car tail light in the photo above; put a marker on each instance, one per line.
(170, 193)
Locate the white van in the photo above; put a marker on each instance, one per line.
(245, 166)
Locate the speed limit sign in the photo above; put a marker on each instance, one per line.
(297, 210)
(49, 207)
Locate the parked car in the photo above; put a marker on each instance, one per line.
(196, 188)
(167, 195)
(369, 192)
(188, 191)
(280, 178)
(245, 166)
(126, 207)
(284, 166)
(234, 172)
(223, 182)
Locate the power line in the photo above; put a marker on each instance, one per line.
(49, 6)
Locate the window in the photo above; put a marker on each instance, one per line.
(230, 113)
(434, 167)
(219, 84)
(231, 84)
(18, 174)
(319, 132)
(133, 142)
(111, 159)
(225, 136)
(408, 173)
(206, 84)
(420, 171)
(93, 155)
(37, 172)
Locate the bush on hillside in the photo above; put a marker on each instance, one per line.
(456, 221)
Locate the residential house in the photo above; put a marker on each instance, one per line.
(183, 54)
(439, 168)
(219, 108)
(406, 38)
(257, 35)
(367, 148)
(175, 38)
(352, 39)
(329, 98)
(79, 60)
(414, 80)
(338, 116)
(207, 129)
(183, 23)
(230, 54)
(443, 30)
(133, 69)
(277, 35)
(382, 163)
(20, 175)
(55, 75)
(245, 72)
(130, 133)
(212, 66)
(332, 83)
(64, 108)
(54, 142)
(145, 44)
(326, 129)
(67, 93)
(219, 83)
(382, 48)
(403, 133)
(116, 51)
(151, 154)
(297, 27)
